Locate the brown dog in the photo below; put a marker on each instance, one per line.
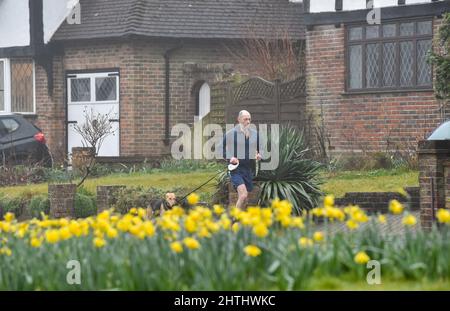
(159, 206)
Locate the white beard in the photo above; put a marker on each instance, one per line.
(245, 129)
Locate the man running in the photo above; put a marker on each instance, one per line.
(238, 145)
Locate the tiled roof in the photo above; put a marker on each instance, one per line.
(231, 19)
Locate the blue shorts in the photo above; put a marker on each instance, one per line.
(240, 177)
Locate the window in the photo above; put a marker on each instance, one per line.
(10, 125)
(94, 87)
(17, 85)
(203, 100)
(391, 56)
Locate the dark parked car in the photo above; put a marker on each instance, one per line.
(21, 142)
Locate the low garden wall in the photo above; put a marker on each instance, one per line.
(378, 202)
(62, 203)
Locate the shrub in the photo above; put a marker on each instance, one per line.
(58, 175)
(13, 205)
(39, 204)
(84, 206)
(21, 174)
(188, 165)
(296, 178)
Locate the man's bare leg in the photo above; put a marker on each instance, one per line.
(242, 196)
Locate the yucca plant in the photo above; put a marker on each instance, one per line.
(296, 178)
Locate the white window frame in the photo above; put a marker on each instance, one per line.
(7, 82)
(92, 77)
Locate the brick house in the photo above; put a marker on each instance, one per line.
(370, 81)
(148, 63)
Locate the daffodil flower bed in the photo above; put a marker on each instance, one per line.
(261, 248)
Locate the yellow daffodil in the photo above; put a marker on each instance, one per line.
(409, 220)
(260, 230)
(443, 216)
(317, 211)
(305, 242)
(64, 233)
(235, 227)
(21, 233)
(352, 225)
(204, 233)
(351, 209)
(361, 258)
(124, 225)
(192, 199)
(225, 222)
(52, 236)
(99, 242)
(35, 242)
(149, 228)
(266, 216)
(218, 209)
(133, 211)
(285, 221)
(395, 207)
(111, 233)
(212, 226)
(5, 227)
(297, 222)
(329, 201)
(104, 215)
(236, 213)
(142, 212)
(63, 222)
(191, 243)
(5, 251)
(176, 247)
(275, 203)
(190, 225)
(75, 228)
(318, 236)
(382, 219)
(252, 250)
(134, 230)
(9, 217)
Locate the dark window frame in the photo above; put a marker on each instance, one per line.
(380, 41)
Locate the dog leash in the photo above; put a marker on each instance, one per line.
(181, 200)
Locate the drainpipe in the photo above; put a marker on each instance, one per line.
(167, 55)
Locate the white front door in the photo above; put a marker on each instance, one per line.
(96, 93)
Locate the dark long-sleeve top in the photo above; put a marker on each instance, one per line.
(235, 144)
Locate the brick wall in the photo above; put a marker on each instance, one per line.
(378, 202)
(433, 179)
(142, 87)
(50, 110)
(362, 122)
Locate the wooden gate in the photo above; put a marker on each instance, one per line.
(268, 102)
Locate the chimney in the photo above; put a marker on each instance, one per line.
(36, 23)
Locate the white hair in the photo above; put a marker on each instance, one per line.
(242, 112)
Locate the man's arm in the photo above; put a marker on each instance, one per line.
(227, 144)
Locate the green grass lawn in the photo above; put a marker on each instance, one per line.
(346, 284)
(337, 183)
(163, 180)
